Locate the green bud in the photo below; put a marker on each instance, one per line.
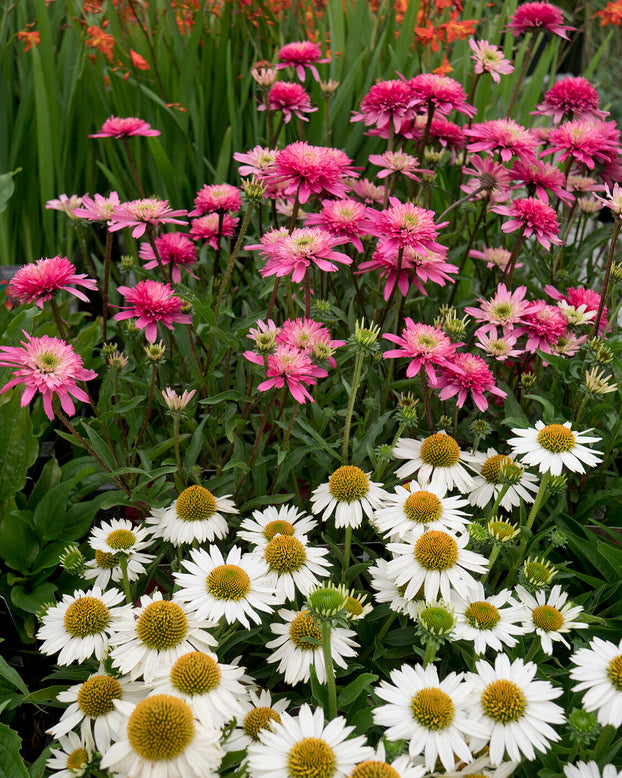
(72, 560)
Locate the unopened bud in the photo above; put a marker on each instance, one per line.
(72, 560)
(528, 379)
(254, 190)
(155, 352)
(127, 262)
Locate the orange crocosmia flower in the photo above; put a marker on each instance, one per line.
(138, 61)
(443, 69)
(30, 37)
(427, 36)
(101, 41)
(611, 14)
(455, 28)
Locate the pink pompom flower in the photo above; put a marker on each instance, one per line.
(150, 303)
(504, 137)
(539, 177)
(535, 217)
(544, 325)
(307, 246)
(139, 213)
(41, 280)
(439, 93)
(257, 162)
(386, 103)
(489, 178)
(310, 337)
(538, 15)
(49, 366)
(172, 247)
(289, 98)
(217, 198)
(300, 55)
(97, 208)
(343, 218)
(505, 309)
(292, 368)
(206, 228)
(418, 267)
(571, 98)
(404, 225)
(424, 345)
(490, 59)
(468, 373)
(586, 141)
(117, 127)
(501, 347)
(396, 162)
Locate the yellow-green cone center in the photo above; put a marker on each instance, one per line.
(482, 615)
(96, 695)
(556, 438)
(502, 530)
(162, 625)
(492, 466)
(277, 527)
(77, 759)
(440, 450)
(537, 573)
(374, 770)
(503, 701)
(228, 582)
(423, 507)
(48, 362)
(121, 538)
(436, 550)
(259, 718)
(86, 616)
(160, 728)
(353, 606)
(311, 757)
(285, 554)
(195, 504)
(105, 560)
(305, 625)
(614, 672)
(547, 618)
(348, 484)
(195, 673)
(432, 708)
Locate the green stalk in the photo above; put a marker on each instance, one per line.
(431, 648)
(107, 255)
(330, 673)
(356, 380)
(603, 296)
(537, 504)
(526, 59)
(500, 496)
(180, 472)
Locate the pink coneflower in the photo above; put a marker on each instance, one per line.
(216, 198)
(117, 127)
(307, 246)
(569, 344)
(300, 55)
(613, 201)
(489, 59)
(206, 228)
(308, 336)
(439, 93)
(172, 247)
(418, 267)
(257, 162)
(498, 346)
(504, 137)
(288, 366)
(41, 280)
(531, 16)
(369, 192)
(307, 170)
(544, 325)
(151, 302)
(585, 141)
(97, 208)
(534, 216)
(268, 241)
(264, 75)
(494, 257)
(442, 132)
(387, 102)
(139, 213)
(64, 204)
(571, 98)
(404, 225)
(580, 297)
(289, 98)
(468, 373)
(505, 309)
(343, 218)
(489, 178)
(396, 162)
(50, 366)
(538, 177)
(424, 345)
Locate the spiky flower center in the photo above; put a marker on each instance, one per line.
(502, 311)
(537, 573)
(311, 757)
(96, 695)
(86, 616)
(47, 362)
(160, 728)
(257, 719)
(432, 708)
(614, 672)
(556, 438)
(440, 450)
(504, 701)
(491, 467)
(162, 625)
(278, 527)
(195, 673)
(502, 530)
(285, 554)
(353, 606)
(374, 770)
(228, 582)
(547, 618)
(195, 504)
(482, 615)
(348, 484)
(105, 560)
(121, 538)
(423, 507)
(437, 620)
(305, 625)
(77, 759)
(436, 550)
(327, 600)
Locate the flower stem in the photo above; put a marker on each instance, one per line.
(537, 504)
(356, 380)
(107, 255)
(330, 673)
(62, 331)
(603, 296)
(509, 268)
(523, 70)
(431, 648)
(130, 159)
(347, 547)
(180, 472)
(500, 496)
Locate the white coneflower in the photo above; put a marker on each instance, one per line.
(437, 458)
(555, 446)
(261, 712)
(111, 541)
(265, 524)
(235, 588)
(195, 515)
(80, 625)
(429, 713)
(599, 672)
(488, 483)
(488, 621)
(388, 591)
(304, 745)
(73, 758)
(293, 565)
(348, 494)
(549, 615)
(295, 653)
(480, 768)
(378, 767)
(162, 739)
(591, 770)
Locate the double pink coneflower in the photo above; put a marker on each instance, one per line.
(41, 280)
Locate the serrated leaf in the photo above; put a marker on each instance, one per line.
(11, 763)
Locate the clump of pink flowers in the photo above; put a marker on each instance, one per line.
(387, 104)
(300, 55)
(305, 247)
(152, 303)
(209, 226)
(289, 98)
(572, 97)
(534, 217)
(124, 127)
(173, 248)
(538, 15)
(41, 280)
(404, 225)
